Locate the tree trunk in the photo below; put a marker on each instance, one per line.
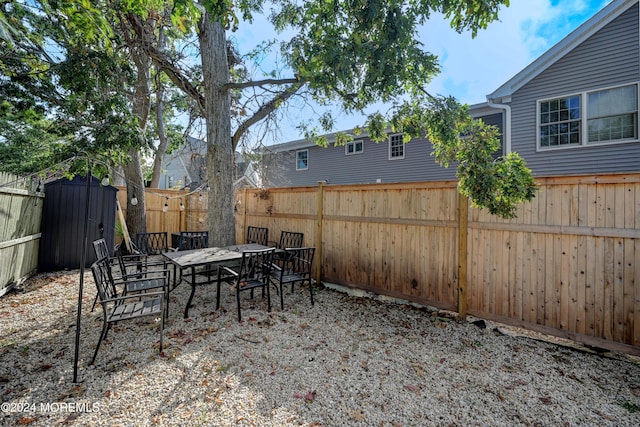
(162, 137)
(220, 159)
(136, 215)
(162, 131)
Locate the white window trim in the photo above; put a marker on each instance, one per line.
(346, 147)
(403, 148)
(298, 168)
(584, 129)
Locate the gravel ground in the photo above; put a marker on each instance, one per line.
(347, 361)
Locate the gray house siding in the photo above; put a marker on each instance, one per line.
(373, 165)
(331, 164)
(609, 58)
(496, 120)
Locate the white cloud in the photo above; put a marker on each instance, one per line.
(472, 68)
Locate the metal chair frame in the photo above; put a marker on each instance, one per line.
(147, 276)
(152, 243)
(254, 273)
(259, 235)
(116, 307)
(295, 266)
(193, 240)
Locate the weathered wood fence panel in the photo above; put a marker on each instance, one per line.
(565, 266)
(20, 215)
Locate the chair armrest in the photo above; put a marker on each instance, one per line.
(134, 257)
(228, 270)
(133, 277)
(275, 267)
(145, 295)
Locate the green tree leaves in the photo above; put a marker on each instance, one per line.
(497, 183)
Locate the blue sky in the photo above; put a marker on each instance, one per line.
(470, 68)
(473, 68)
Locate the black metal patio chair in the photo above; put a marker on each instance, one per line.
(119, 307)
(193, 240)
(154, 243)
(254, 272)
(295, 267)
(259, 235)
(288, 239)
(135, 274)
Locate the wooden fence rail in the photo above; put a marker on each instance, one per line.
(191, 217)
(565, 266)
(20, 214)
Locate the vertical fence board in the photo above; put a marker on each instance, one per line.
(20, 216)
(580, 286)
(635, 307)
(540, 273)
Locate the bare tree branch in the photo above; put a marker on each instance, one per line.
(254, 83)
(264, 111)
(175, 75)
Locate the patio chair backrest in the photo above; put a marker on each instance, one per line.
(299, 261)
(101, 249)
(152, 243)
(104, 280)
(259, 235)
(290, 239)
(193, 240)
(255, 266)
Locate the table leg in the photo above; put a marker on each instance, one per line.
(193, 292)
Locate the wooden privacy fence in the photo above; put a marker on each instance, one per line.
(565, 266)
(20, 214)
(191, 217)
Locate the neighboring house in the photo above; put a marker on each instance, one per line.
(187, 167)
(300, 163)
(184, 167)
(574, 110)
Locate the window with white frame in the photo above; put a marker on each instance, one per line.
(396, 147)
(354, 147)
(302, 160)
(611, 116)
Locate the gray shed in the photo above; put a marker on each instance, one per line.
(63, 220)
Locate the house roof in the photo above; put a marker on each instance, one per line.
(300, 144)
(564, 46)
(476, 110)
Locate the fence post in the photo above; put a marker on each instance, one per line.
(319, 233)
(184, 213)
(463, 231)
(244, 215)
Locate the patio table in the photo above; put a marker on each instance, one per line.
(195, 258)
